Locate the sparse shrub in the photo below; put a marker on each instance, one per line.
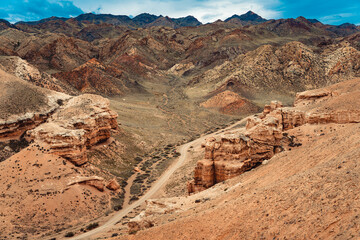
(60, 102)
(92, 226)
(69, 234)
(117, 207)
(134, 198)
(132, 232)
(135, 189)
(138, 159)
(117, 202)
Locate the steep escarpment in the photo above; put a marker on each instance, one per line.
(309, 192)
(265, 135)
(44, 137)
(66, 125)
(239, 152)
(81, 123)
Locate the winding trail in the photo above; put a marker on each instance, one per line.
(183, 150)
(158, 184)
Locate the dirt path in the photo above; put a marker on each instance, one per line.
(154, 189)
(127, 195)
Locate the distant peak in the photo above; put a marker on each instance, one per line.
(251, 13)
(249, 16)
(303, 19)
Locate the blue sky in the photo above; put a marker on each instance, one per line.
(327, 11)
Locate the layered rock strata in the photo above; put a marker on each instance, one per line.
(265, 135)
(24, 106)
(236, 153)
(14, 129)
(81, 123)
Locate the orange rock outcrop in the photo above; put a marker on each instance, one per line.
(81, 123)
(234, 154)
(113, 185)
(265, 135)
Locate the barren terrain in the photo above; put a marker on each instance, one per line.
(151, 128)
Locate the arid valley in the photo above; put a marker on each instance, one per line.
(153, 127)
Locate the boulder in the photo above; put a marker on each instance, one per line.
(113, 185)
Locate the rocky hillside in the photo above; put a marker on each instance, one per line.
(65, 25)
(23, 70)
(265, 135)
(293, 54)
(292, 67)
(24, 106)
(44, 137)
(307, 180)
(66, 84)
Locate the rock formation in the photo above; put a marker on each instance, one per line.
(236, 153)
(113, 185)
(81, 123)
(64, 125)
(265, 134)
(95, 181)
(24, 106)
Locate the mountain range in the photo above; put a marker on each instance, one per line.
(147, 20)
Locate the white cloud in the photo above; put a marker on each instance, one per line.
(336, 18)
(204, 10)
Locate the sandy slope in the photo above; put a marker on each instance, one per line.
(306, 192)
(35, 197)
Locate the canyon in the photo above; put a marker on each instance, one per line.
(153, 127)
